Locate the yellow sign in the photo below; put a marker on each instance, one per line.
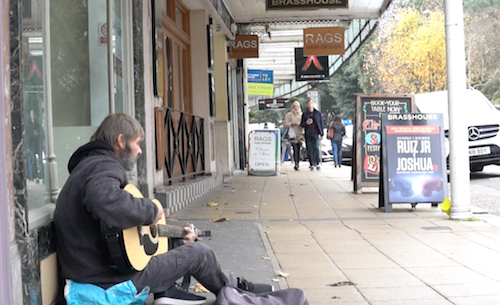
(324, 41)
(260, 89)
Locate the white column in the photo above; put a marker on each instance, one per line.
(459, 153)
(52, 164)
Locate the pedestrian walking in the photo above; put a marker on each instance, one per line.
(295, 131)
(336, 132)
(286, 147)
(312, 121)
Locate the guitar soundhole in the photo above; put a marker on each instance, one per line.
(150, 247)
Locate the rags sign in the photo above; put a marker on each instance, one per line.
(244, 46)
(304, 4)
(324, 41)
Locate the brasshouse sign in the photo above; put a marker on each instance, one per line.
(305, 4)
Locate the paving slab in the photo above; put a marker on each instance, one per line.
(327, 234)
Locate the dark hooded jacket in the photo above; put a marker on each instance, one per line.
(94, 194)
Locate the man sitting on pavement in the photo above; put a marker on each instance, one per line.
(94, 194)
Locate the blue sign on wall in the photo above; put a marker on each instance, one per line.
(260, 76)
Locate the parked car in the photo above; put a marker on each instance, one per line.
(483, 124)
(326, 148)
(326, 151)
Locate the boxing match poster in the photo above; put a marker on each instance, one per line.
(413, 158)
(369, 110)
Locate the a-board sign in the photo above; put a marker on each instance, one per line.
(369, 110)
(263, 152)
(413, 158)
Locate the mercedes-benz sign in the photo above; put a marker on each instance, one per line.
(474, 133)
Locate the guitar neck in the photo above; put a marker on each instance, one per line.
(170, 231)
(178, 232)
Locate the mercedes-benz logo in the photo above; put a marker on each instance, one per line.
(473, 133)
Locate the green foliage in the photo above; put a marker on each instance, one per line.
(344, 85)
(266, 116)
(470, 5)
(421, 5)
(482, 25)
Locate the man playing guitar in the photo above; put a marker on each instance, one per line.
(94, 193)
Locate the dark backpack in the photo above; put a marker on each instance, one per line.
(235, 296)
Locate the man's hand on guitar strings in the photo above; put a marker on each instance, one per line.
(159, 215)
(190, 236)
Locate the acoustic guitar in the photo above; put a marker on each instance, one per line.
(131, 249)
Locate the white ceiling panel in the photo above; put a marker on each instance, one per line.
(250, 11)
(281, 31)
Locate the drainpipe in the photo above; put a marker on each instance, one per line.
(111, 62)
(459, 148)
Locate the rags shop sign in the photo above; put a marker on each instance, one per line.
(310, 67)
(304, 4)
(260, 82)
(413, 158)
(324, 41)
(244, 46)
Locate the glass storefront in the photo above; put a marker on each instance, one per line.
(66, 83)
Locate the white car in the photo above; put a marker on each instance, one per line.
(483, 124)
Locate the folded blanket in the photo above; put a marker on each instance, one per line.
(88, 294)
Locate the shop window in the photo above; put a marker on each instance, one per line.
(66, 83)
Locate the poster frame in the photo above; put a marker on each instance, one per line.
(360, 133)
(276, 153)
(437, 152)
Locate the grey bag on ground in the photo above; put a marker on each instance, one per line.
(235, 296)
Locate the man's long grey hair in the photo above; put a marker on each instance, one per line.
(114, 125)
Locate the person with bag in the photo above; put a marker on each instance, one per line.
(286, 147)
(295, 132)
(336, 132)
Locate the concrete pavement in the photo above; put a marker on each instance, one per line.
(339, 247)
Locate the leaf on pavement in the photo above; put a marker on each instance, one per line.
(199, 288)
(218, 219)
(343, 283)
(283, 274)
